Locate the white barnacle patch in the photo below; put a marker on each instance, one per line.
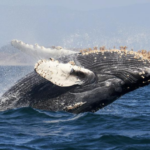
(108, 84)
(142, 77)
(72, 63)
(76, 105)
(59, 73)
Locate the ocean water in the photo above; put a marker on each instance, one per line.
(123, 125)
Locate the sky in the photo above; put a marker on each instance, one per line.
(76, 23)
(75, 4)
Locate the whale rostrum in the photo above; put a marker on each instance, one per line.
(80, 81)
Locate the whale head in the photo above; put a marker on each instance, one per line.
(99, 76)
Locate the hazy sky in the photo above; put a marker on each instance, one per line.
(49, 23)
(75, 4)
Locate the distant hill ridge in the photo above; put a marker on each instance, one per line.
(11, 56)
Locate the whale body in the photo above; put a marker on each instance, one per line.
(80, 82)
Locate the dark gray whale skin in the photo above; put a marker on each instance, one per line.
(116, 73)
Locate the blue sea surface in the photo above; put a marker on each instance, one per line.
(123, 125)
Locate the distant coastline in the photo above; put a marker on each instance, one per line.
(16, 59)
(15, 64)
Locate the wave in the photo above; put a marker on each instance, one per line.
(28, 128)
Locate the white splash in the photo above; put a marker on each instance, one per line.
(41, 52)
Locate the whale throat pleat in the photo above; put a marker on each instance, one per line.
(126, 66)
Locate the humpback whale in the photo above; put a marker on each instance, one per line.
(77, 82)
